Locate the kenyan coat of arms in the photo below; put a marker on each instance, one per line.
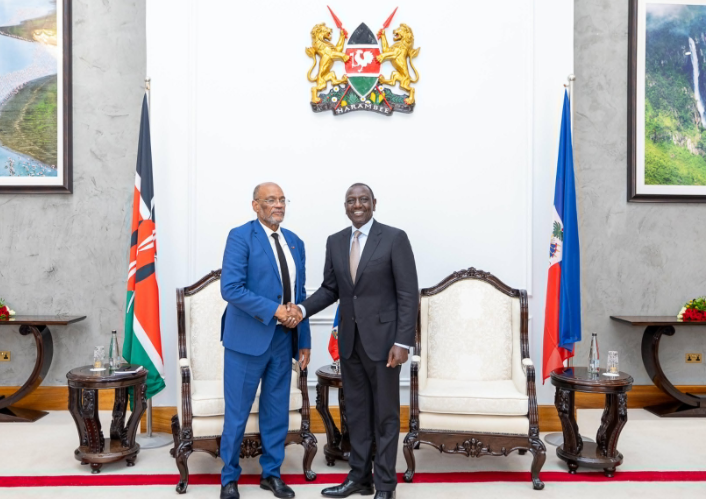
(362, 87)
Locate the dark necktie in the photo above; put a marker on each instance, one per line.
(286, 284)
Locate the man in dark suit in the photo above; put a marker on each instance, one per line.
(370, 268)
(263, 270)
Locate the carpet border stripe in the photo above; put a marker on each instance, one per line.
(110, 480)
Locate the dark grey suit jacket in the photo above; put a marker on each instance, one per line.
(385, 297)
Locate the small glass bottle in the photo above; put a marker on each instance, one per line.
(114, 353)
(593, 366)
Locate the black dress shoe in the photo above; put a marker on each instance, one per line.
(230, 491)
(384, 494)
(347, 488)
(277, 486)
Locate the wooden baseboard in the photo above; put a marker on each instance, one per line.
(55, 398)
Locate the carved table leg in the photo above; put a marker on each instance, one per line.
(564, 402)
(333, 437)
(89, 414)
(684, 404)
(75, 398)
(138, 410)
(345, 439)
(615, 415)
(117, 425)
(45, 352)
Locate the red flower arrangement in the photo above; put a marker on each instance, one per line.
(5, 312)
(694, 310)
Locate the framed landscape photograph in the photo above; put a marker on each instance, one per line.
(667, 101)
(35, 96)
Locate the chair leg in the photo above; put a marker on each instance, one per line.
(539, 453)
(310, 448)
(175, 434)
(409, 445)
(182, 456)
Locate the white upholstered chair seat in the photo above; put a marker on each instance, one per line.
(499, 398)
(474, 423)
(213, 425)
(207, 397)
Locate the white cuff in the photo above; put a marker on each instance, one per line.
(301, 307)
(403, 346)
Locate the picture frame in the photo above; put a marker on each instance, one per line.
(36, 118)
(666, 118)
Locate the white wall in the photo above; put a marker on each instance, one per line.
(469, 175)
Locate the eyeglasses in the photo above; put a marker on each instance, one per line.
(273, 201)
(361, 200)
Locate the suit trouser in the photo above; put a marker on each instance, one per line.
(241, 377)
(372, 393)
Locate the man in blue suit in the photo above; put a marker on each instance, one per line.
(263, 271)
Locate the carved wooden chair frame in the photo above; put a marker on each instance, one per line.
(184, 441)
(476, 444)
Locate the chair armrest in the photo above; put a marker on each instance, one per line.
(526, 362)
(186, 414)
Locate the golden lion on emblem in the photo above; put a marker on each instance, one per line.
(328, 54)
(397, 55)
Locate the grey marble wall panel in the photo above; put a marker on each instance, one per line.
(68, 254)
(637, 259)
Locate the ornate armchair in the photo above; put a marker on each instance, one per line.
(200, 404)
(472, 387)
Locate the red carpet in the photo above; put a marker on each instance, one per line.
(108, 480)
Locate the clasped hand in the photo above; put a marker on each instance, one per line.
(289, 315)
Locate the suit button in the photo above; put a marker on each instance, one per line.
(279, 296)
(355, 297)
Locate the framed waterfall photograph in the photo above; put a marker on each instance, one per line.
(667, 101)
(35, 96)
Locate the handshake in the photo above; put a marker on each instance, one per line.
(289, 315)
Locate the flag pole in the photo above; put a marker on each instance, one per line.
(557, 438)
(151, 440)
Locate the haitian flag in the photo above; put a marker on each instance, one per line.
(562, 317)
(333, 340)
(363, 68)
(143, 339)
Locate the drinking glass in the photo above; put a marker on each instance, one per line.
(98, 358)
(612, 368)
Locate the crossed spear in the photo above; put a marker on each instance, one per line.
(339, 25)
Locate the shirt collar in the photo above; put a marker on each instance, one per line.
(269, 232)
(365, 229)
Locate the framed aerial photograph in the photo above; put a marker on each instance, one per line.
(35, 96)
(667, 101)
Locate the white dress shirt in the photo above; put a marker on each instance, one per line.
(362, 238)
(292, 267)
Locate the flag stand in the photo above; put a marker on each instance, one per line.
(151, 440)
(557, 438)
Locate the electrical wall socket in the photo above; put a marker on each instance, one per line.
(4, 356)
(691, 358)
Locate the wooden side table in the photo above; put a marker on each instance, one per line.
(83, 405)
(338, 444)
(604, 452)
(37, 326)
(683, 404)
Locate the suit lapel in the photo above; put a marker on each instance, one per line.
(266, 247)
(370, 245)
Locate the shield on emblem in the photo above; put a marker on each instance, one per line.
(362, 69)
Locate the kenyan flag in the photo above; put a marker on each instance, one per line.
(143, 338)
(362, 69)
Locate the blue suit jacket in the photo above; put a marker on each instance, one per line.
(251, 284)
